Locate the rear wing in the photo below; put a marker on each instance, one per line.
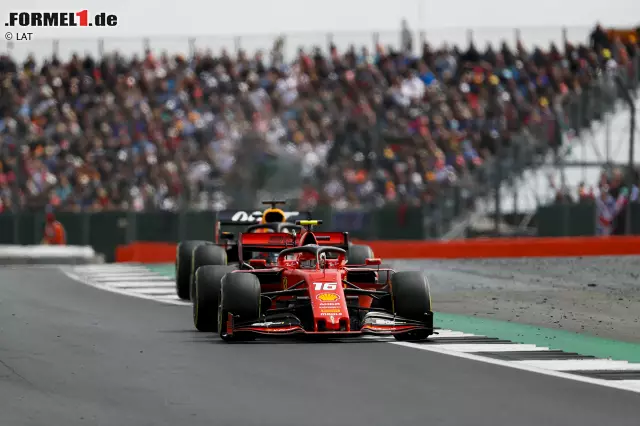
(278, 241)
(265, 242)
(242, 218)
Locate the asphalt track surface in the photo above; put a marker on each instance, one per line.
(75, 355)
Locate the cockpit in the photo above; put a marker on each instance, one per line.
(311, 256)
(308, 264)
(312, 262)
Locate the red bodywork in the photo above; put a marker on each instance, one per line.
(276, 241)
(325, 287)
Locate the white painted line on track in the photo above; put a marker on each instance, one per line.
(631, 384)
(113, 271)
(493, 347)
(142, 284)
(171, 297)
(83, 279)
(107, 269)
(581, 364)
(158, 291)
(617, 384)
(141, 278)
(137, 271)
(445, 334)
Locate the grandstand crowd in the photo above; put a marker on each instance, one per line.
(367, 126)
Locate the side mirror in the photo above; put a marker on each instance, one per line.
(227, 235)
(373, 261)
(258, 263)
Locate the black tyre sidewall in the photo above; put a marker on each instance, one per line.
(204, 255)
(240, 295)
(358, 253)
(183, 267)
(206, 297)
(411, 295)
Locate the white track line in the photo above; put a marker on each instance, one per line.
(106, 269)
(444, 334)
(581, 364)
(140, 278)
(172, 297)
(83, 279)
(490, 347)
(141, 284)
(630, 385)
(158, 291)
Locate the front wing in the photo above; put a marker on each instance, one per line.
(380, 324)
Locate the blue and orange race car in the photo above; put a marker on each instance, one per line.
(309, 290)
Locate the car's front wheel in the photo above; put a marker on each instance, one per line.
(411, 300)
(240, 296)
(206, 296)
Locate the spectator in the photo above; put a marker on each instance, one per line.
(599, 39)
(614, 196)
(366, 127)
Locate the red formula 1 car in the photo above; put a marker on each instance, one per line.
(192, 254)
(309, 290)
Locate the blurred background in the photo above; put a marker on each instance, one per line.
(414, 132)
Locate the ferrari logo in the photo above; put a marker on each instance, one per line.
(285, 285)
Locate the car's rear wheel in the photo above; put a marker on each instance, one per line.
(358, 254)
(411, 300)
(206, 296)
(203, 255)
(240, 296)
(184, 251)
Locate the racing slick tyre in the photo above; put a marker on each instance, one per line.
(206, 254)
(183, 266)
(206, 296)
(240, 296)
(411, 300)
(358, 254)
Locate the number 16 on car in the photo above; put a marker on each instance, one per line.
(325, 286)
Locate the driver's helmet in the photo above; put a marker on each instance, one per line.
(270, 257)
(273, 216)
(308, 263)
(307, 260)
